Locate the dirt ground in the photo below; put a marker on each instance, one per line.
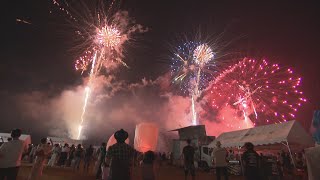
(165, 173)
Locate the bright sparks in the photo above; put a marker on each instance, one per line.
(203, 54)
(259, 91)
(99, 39)
(108, 36)
(86, 98)
(192, 68)
(194, 112)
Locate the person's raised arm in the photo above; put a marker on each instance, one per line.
(51, 141)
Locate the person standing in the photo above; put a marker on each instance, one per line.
(88, 157)
(219, 157)
(25, 155)
(188, 156)
(32, 154)
(120, 157)
(64, 155)
(231, 156)
(251, 162)
(42, 152)
(71, 156)
(77, 157)
(149, 167)
(101, 160)
(10, 156)
(171, 158)
(54, 156)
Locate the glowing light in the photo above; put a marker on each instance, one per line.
(23, 21)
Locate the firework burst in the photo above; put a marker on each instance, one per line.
(192, 68)
(192, 64)
(100, 33)
(202, 54)
(108, 37)
(259, 91)
(83, 62)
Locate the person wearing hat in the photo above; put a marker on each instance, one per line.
(219, 157)
(10, 156)
(119, 157)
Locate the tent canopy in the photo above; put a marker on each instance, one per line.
(59, 140)
(24, 137)
(289, 132)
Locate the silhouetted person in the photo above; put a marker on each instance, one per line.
(188, 156)
(251, 162)
(77, 157)
(101, 159)
(54, 156)
(88, 157)
(64, 155)
(148, 166)
(71, 155)
(10, 156)
(120, 157)
(219, 157)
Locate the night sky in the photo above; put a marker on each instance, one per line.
(37, 57)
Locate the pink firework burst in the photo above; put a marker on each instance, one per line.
(260, 92)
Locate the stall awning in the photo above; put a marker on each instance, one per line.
(291, 132)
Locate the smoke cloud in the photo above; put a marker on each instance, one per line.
(114, 105)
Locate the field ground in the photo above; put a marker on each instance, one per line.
(165, 173)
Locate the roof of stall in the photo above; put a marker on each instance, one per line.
(291, 132)
(24, 137)
(191, 132)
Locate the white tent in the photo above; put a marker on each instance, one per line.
(288, 133)
(24, 137)
(62, 141)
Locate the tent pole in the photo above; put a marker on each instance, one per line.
(294, 164)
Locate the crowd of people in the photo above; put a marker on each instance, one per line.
(116, 162)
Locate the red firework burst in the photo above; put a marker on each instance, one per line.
(261, 92)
